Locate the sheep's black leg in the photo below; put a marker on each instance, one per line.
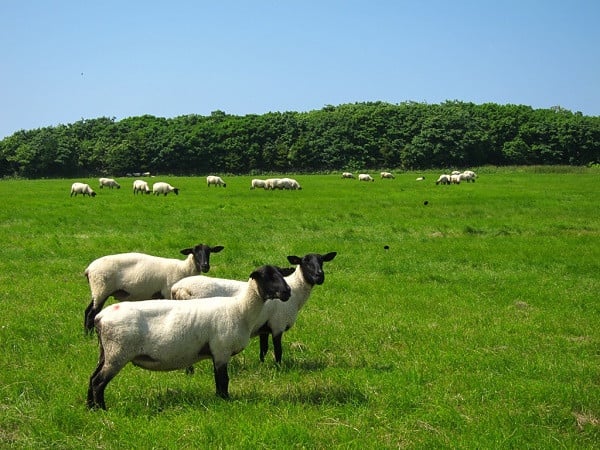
(221, 380)
(98, 382)
(90, 314)
(277, 347)
(264, 345)
(88, 310)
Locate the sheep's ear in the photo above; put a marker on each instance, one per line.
(187, 251)
(216, 248)
(294, 259)
(329, 256)
(285, 271)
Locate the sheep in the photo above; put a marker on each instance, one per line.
(443, 179)
(137, 276)
(387, 175)
(256, 183)
(468, 176)
(365, 177)
(217, 181)
(278, 317)
(141, 186)
(165, 335)
(455, 178)
(288, 183)
(271, 183)
(347, 175)
(108, 182)
(420, 178)
(82, 188)
(164, 188)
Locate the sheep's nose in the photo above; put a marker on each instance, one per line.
(205, 268)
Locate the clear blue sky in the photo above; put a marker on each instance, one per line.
(62, 61)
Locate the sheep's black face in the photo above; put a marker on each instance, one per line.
(202, 255)
(312, 266)
(271, 283)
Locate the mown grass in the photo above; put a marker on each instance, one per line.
(477, 328)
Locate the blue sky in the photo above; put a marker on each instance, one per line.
(63, 61)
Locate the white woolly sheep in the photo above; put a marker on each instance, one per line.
(141, 186)
(468, 176)
(289, 183)
(277, 317)
(347, 175)
(455, 178)
(455, 172)
(365, 177)
(137, 276)
(166, 335)
(108, 182)
(271, 183)
(256, 183)
(387, 175)
(420, 178)
(164, 188)
(217, 181)
(82, 188)
(443, 179)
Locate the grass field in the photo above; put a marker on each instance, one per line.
(479, 327)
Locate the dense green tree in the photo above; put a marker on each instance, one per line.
(358, 136)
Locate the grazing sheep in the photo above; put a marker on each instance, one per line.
(278, 317)
(256, 183)
(468, 176)
(420, 178)
(164, 188)
(347, 175)
(387, 175)
(455, 172)
(271, 183)
(455, 178)
(137, 276)
(288, 183)
(82, 188)
(217, 181)
(443, 179)
(165, 335)
(108, 182)
(141, 186)
(365, 177)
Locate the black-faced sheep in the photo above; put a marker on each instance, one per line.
(164, 188)
(82, 188)
(167, 335)
(278, 317)
(137, 276)
(141, 186)
(109, 183)
(214, 180)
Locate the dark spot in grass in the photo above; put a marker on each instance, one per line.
(426, 203)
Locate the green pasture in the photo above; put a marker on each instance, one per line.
(478, 326)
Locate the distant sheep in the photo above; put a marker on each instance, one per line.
(290, 184)
(468, 176)
(420, 178)
(166, 335)
(108, 182)
(443, 179)
(347, 175)
(365, 177)
(217, 181)
(137, 276)
(256, 183)
(164, 188)
(141, 186)
(387, 175)
(82, 188)
(270, 183)
(455, 178)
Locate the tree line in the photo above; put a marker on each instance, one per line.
(358, 136)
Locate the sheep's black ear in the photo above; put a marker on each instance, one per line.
(329, 256)
(216, 248)
(294, 259)
(187, 251)
(285, 271)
